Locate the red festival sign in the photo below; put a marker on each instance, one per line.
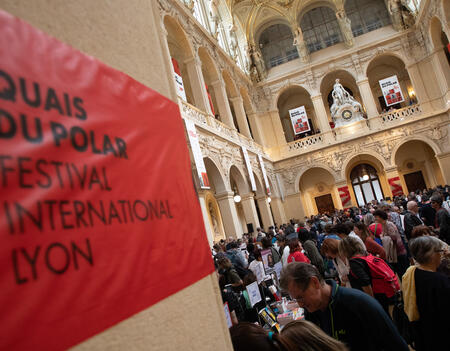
(98, 215)
(396, 186)
(344, 194)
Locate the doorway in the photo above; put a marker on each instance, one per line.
(415, 181)
(325, 203)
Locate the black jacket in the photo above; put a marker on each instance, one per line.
(358, 320)
(429, 213)
(410, 221)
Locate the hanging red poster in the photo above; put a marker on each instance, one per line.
(344, 194)
(396, 186)
(98, 215)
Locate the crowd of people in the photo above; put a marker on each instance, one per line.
(375, 277)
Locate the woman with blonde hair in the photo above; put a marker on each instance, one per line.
(330, 249)
(310, 337)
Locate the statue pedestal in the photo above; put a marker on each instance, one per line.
(350, 129)
(347, 114)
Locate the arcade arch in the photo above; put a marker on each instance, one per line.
(366, 179)
(386, 66)
(181, 53)
(318, 191)
(346, 79)
(320, 28)
(366, 15)
(210, 75)
(417, 166)
(291, 98)
(276, 43)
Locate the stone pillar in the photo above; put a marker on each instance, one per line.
(238, 105)
(278, 211)
(258, 134)
(321, 113)
(277, 128)
(444, 162)
(205, 215)
(442, 71)
(194, 69)
(230, 218)
(417, 83)
(264, 210)
(367, 98)
(251, 216)
(222, 102)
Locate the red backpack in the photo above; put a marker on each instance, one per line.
(384, 280)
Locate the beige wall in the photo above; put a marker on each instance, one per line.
(125, 35)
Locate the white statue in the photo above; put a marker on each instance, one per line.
(345, 108)
(257, 61)
(215, 18)
(233, 41)
(301, 46)
(395, 11)
(346, 28)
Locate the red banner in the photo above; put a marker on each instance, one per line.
(396, 186)
(346, 199)
(98, 215)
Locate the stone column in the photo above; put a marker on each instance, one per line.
(444, 162)
(222, 103)
(264, 210)
(278, 211)
(194, 69)
(238, 105)
(367, 98)
(417, 83)
(251, 216)
(321, 113)
(258, 134)
(230, 218)
(442, 71)
(205, 215)
(277, 128)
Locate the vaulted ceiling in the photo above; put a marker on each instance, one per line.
(255, 15)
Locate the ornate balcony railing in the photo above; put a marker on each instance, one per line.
(401, 114)
(306, 143)
(209, 123)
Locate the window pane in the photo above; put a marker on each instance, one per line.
(368, 193)
(378, 192)
(359, 196)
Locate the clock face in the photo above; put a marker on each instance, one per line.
(347, 114)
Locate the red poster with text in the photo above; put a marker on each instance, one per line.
(98, 215)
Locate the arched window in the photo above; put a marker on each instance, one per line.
(276, 43)
(366, 15)
(366, 184)
(320, 28)
(198, 13)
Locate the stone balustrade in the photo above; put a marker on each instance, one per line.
(297, 147)
(306, 143)
(401, 114)
(211, 124)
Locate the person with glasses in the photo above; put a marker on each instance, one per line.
(347, 315)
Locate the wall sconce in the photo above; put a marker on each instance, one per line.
(364, 174)
(269, 200)
(237, 198)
